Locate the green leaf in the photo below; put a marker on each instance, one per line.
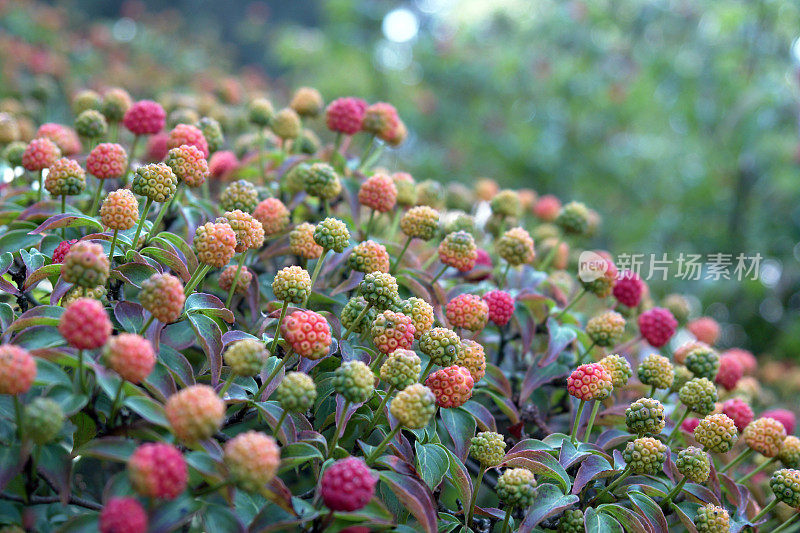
(16, 240)
(459, 476)
(133, 273)
(39, 274)
(148, 409)
(432, 463)
(181, 245)
(43, 315)
(549, 502)
(209, 305)
(169, 259)
(540, 463)
(298, 453)
(414, 496)
(595, 521)
(68, 220)
(117, 449)
(648, 509)
(559, 338)
(460, 425)
(629, 520)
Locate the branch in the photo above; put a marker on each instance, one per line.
(43, 500)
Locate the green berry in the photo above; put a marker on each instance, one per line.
(703, 362)
(699, 395)
(401, 368)
(332, 234)
(488, 448)
(516, 246)
(618, 368)
(645, 416)
(656, 370)
(155, 181)
(320, 180)
(682, 376)
(574, 218)
(712, 519)
(571, 522)
(246, 357)
(785, 483)
(354, 381)
(420, 222)
(43, 420)
(241, 195)
(606, 328)
(292, 285)
(716, 433)
(297, 392)
(91, 124)
(442, 345)
(260, 112)
(790, 452)
(693, 463)
(351, 312)
(645, 455)
(506, 203)
(413, 406)
(516, 487)
(420, 312)
(379, 289)
(212, 131)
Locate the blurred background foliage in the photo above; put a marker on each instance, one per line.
(677, 121)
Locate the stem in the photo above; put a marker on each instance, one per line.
(281, 419)
(380, 447)
(262, 141)
(551, 254)
(376, 364)
(159, 217)
(146, 325)
(589, 426)
(427, 369)
(786, 524)
(96, 200)
(765, 510)
(113, 244)
(63, 210)
(677, 426)
(502, 281)
(739, 458)
(337, 143)
(674, 492)
(317, 268)
(242, 257)
(272, 375)
(379, 411)
(357, 321)
(131, 156)
(278, 329)
(653, 391)
(399, 257)
(586, 352)
(18, 415)
(474, 498)
(578, 413)
(370, 220)
(80, 370)
(572, 303)
(367, 150)
(196, 279)
(135, 242)
(615, 484)
(756, 470)
(226, 386)
(338, 430)
(41, 186)
(115, 403)
(436, 278)
(504, 527)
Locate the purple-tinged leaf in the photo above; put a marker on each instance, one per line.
(706, 496)
(235, 335)
(490, 512)
(559, 338)
(612, 438)
(630, 521)
(169, 259)
(210, 337)
(483, 416)
(118, 449)
(593, 467)
(594, 521)
(549, 502)
(43, 315)
(497, 380)
(61, 288)
(133, 273)
(12, 461)
(460, 477)
(209, 305)
(460, 425)
(67, 220)
(415, 497)
(349, 284)
(536, 376)
(41, 273)
(684, 511)
(649, 510)
(541, 463)
(570, 455)
(130, 315)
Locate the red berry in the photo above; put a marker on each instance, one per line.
(345, 115)
(705, 329)
(17, 369)
(123, 515)
(378, 192)
(222, 163)
(657, 326)
(157, 146)
(273, 215)
(347, 485)
(452, 386)
(61, 250)
(590, 382)
(107, 160)
(784, 416)
(501, 306)
(547, 208)
(690, 424)
(629, 288)
(739, 411)
(145, 117)
(190, 135)
(748, 360)
(65, 138)
(195, 413)
(468, 311)
(308, 334)
(158, 470)
(40, 153)
(85, 324)
(730, 372)
(130, 355)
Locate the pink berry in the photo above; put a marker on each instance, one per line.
(40, 153)
(222, 163)
(107, 160)
(730, 372)
(345, 115)
(590, 382)
(130, 355)
(784, 416)
(628, 289)
(378, 192)
(61, 250)
(452, 386)
(690, 424)
(657, 326)
(347, 485)
(308, 334)
(85, 324)
(739, 411)
(547, 208)
(158, 470)
(123, 515)
(501, 306)
(705, 329)
(468, 311)
(145, 117)
(190, 135)
(17, 369)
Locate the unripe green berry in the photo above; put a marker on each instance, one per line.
(355, 381)
(488, 448)
(645, 455)
(401, 368)
(645, 416)
(699, 395)
(413, 406)
(656, 370)
(332, 234)
(516, 487)
(297, 392)
(712, 519)
(618, 368)
(442, 345)
(694, 463)
(43, 420)
(246, 357)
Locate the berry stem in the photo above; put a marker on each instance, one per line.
(380, 447)
(262, 141)
(161, 212)
(271, 376)
(368, 227)
(738, 459)
(551, 254)
(399, 257)
(115, 403)
(673, 493)
(146, 325)
(79, 371)
(789, 521)
(131, 155)
(337, 143)
(574, 435)
(756, 471)
(765, 510)
(278, 432)
(63, 210)
(379, 411)
(376, 364)
(439, 275)
(474, 498)
(113, 244)
(41, 186)
(586, 352)
(317, 268)
(502, 281)
(595, 408)
(278, 328)
(615, 484)
(366, 153)
(96, 200)
(357, 321)
(135, 241)
(426, 371)
(242, 257)
(653, 391)
(504, 527)
(18, 415)
(196, 279)
(571, 304)
(337, 429)
(226, 386)
(677, 427)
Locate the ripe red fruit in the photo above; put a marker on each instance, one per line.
(123, 515)
(40, 153)
(690, 424)
(590, 382)
(158, 470)
(345, 115)
(189, 135)
(657, 326)
(61, 250)
(347, 485)
(308, 334)
(452, 386)
(739, 411)
(730, 372)
(145, 117)
(501, 306)
(705, 329)
(107, 160)
(378, 192)
(130, 355)
(17, 369)
(629, 288)
(748, 360)
(85, 324)
(222, 163)
(157, 146)
(547, 208)
(468, 311)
